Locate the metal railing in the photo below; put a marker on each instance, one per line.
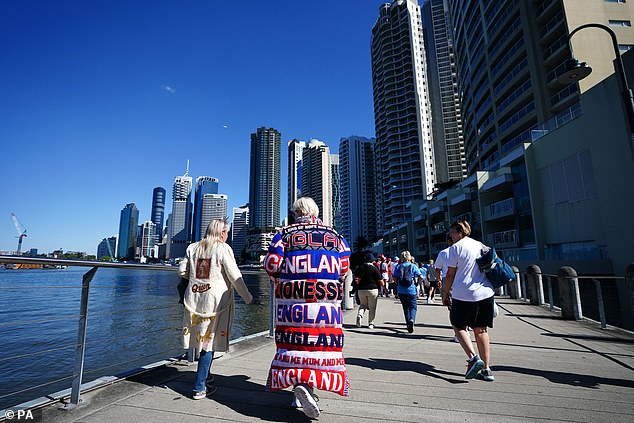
(551, 295)
(80, 344)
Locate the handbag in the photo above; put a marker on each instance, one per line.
(496, 270)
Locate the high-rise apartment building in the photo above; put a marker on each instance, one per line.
(239, 226)
(402, 116)
(158, 210)
(107, 247)
(317, 179)
(295, 152)
(445, 98)
(204, 185)
(335, 188)
(508, 58)
(128, 223)
(179, 232)
(265, 174)
(358, 189)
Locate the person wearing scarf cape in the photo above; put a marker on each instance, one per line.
(307, 262)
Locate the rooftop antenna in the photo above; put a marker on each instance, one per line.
(187, 169)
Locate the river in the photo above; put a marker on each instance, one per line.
(134, 319)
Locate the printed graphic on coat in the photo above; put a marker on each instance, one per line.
(202, 268)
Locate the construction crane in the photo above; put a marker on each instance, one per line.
(21, 232)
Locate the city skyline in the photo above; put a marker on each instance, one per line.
(90, 89)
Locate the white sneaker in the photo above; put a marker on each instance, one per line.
(370, 326)
(309, 405)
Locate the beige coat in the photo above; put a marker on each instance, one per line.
(209, 301)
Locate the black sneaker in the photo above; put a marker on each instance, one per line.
(410, 326)
(473, 367)
(486, 375)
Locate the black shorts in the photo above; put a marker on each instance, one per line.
(475, 314)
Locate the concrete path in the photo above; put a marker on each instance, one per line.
(545, 368)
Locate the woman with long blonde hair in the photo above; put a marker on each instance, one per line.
(209, 303)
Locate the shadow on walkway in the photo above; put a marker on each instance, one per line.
(407, 366)
(572, 379)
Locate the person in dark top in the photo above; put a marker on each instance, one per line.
(367, 282)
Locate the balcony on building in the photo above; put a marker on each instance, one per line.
(421, 250)
(468, 216)
(438, 228)
(436, 209)
(500, 209)
(504, 239)
(500, 177)
(421, 233)
(461, 197)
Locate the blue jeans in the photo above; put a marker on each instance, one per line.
(408, 301)
(204, 366)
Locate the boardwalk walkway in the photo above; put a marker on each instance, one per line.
(545, 368)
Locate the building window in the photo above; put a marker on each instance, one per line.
(615, 22)
(624, 47)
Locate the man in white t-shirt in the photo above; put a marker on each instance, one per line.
(471, 300)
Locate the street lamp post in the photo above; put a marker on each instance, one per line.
(576, 71)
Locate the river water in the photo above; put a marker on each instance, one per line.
(134, 319)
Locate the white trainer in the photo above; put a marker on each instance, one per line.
(309, 405)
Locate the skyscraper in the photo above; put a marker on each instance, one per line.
(317, 179)
(239, 225)
(158, 211)
(404, 148)
(265, 174)
(128, 223)
(295, 151)
(180, 220)
(358, 189)
(445, 98)
(264, 189)
(214, 206)
(204, 185)
(335, 188)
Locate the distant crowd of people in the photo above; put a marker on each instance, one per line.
(307, 262)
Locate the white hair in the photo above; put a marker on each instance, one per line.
(305, 206)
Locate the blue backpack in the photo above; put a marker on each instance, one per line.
(405, 276)
(497, 271)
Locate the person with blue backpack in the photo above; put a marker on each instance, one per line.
(405, 274)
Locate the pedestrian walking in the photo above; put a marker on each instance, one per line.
(368, 281)
(406, 274)
(212, 274)
(469, 295)
(307, 262)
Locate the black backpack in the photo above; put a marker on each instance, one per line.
(405, 275)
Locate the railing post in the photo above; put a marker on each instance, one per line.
(272, 309)
(347, 303)
(523, 280)
(629, 283)
(597, 286)
(81, 339)
(515, 288)
(535, 286)
(569, 291)
(550, 293)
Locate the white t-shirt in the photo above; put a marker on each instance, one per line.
(469, 284)
(441, 262)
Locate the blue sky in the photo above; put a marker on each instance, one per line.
(104, 100)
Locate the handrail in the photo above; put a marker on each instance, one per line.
(83, 263)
